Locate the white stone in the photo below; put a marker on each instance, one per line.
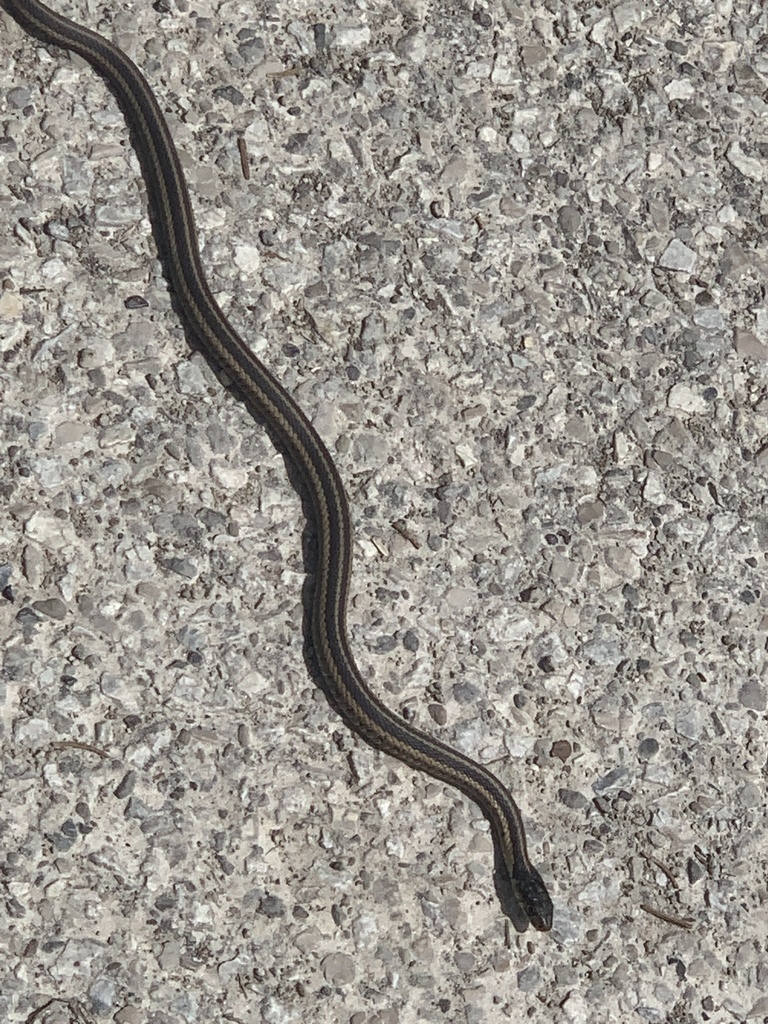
(685, 399)
(678, 256)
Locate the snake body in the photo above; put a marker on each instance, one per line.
(175, 233)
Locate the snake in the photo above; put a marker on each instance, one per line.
(518, 882)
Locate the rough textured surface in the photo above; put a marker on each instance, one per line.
(512, 260)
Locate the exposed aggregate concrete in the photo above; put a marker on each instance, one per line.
(511, 258)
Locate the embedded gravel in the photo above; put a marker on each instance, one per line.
(511, 258)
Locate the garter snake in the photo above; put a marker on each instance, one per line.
(175, 233)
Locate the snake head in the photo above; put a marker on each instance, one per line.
(533, 898)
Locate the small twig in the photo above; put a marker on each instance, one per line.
(663, 868)
(681, 922)
(382, 551)
(244, 163)
(61, 744)
(296, 70)
(75, 1007)
(399, 527)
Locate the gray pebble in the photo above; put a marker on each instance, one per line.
(752, 695)
(678, 256)
(102, 995)
(338, 968)
(53, 608)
